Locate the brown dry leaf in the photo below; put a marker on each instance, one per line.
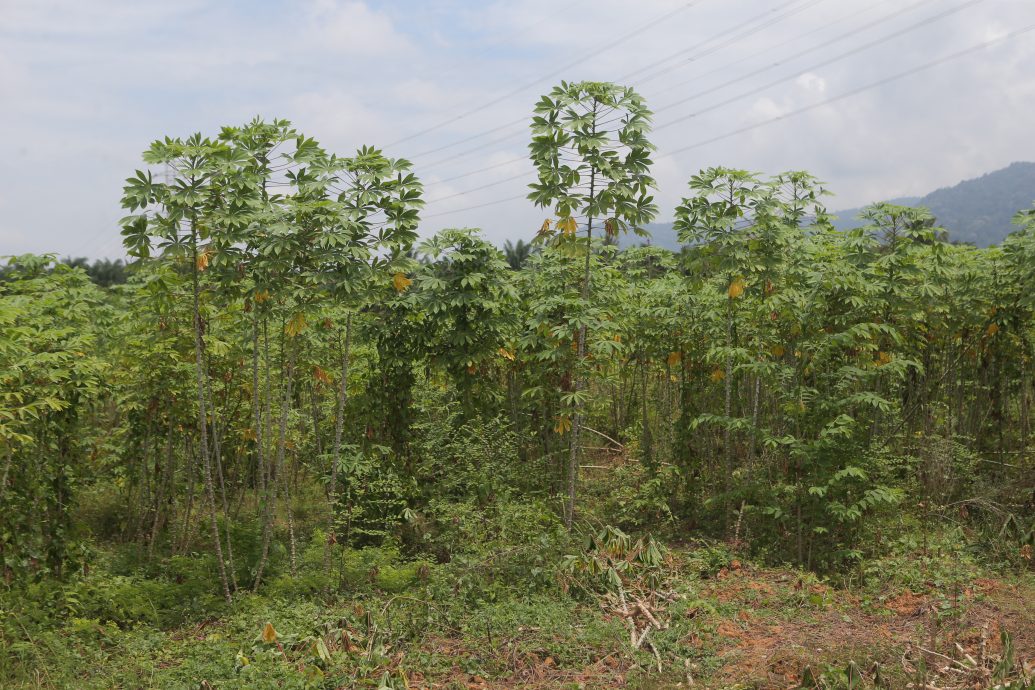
(400, 282)
(674, 358)
(321, 375)
(203, 258)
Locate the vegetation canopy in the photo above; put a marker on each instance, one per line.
(291, 444)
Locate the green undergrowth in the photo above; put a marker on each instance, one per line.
(501, 610)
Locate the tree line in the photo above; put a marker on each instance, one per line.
(285, 346)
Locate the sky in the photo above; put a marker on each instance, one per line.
(765, 85)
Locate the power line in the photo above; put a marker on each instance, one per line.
(894, 77)
(824, 63)
(471, 208)
(607, 45)
(853, 92)
(475, 172)
(477, 189)
(766, 23)
(794, 40)
(477, 149)
(794, 56)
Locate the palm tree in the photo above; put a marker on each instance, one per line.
(517, 254)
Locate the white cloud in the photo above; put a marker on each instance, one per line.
(352, 28)
(86, 85)
(812, 82)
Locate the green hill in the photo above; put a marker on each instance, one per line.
(978, 211)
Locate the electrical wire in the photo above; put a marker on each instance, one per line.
(788, 58)
(827, 101)
(607, 45)
(819, 65)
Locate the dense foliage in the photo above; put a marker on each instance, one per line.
(284, 387)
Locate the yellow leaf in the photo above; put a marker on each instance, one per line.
(544, 229)
(400, 282)
(248, 434)
(882, 359)
(568, 225)
(295, 325)
(506, 354)
(203, 259)
(269, 635)
(718, 375)
(674, 358)
(992, 329)
(262, 296)
(777, 350)
(736, 288)
(563, 424)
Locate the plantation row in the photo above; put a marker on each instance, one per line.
(287, 361)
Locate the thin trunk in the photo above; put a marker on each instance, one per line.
(283, 472)
(580, 379)
(160, 493)
(339, 426)
(191, 462)
(268, 478)
(199, 362)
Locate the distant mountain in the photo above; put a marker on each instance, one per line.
(978, 211)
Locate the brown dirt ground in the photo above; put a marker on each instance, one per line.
(766, 645)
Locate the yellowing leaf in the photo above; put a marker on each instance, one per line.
(203, 257)
(506, 354)
(248, 434)
(400, 282)
(262, 296)
(736, 288)
(269, 635)
(568, 226)
(777, 350)
(882, 359)
(295, 325)
(674, 358)
(563, 424)
(544, 229)
(718, 375)
(992, 329)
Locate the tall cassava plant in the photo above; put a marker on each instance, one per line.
(376, 204)
(181, 215)
(592, 156)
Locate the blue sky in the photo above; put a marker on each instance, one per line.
(85, 86)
